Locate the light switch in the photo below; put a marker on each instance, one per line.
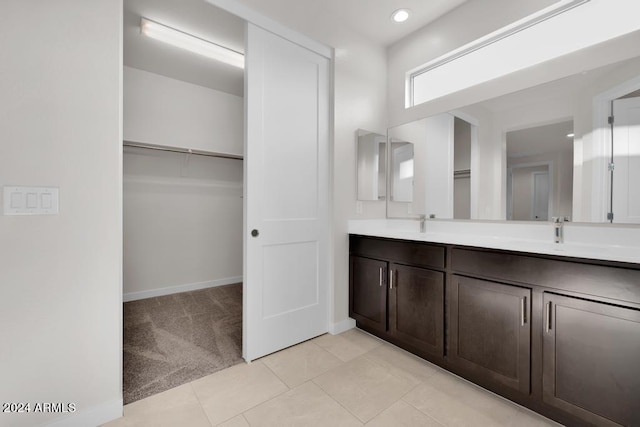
(16, 200)
(32, 200)
(46, 201)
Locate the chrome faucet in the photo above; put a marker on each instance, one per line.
(423, 220)
(558, 222)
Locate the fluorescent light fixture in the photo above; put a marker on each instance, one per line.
(191, 43)
(400, 15)
(570, 135)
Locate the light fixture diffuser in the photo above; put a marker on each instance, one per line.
(191, 43)
(400, 15)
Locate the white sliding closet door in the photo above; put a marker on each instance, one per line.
(287, 194)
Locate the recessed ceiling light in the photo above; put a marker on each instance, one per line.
(191, 43)
(400, 15)
(570, 135)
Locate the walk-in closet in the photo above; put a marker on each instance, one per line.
(182, 197)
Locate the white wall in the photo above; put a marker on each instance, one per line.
(164, 111)
(60, 276)
(182, 217)
(182, 222)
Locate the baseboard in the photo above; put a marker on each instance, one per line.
(340, 327)
(132, 296)
(93, 416)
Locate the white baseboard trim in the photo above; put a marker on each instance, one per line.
(93, 416)
(340, 327)
(132, 296)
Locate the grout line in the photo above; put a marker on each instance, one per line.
(276, 375)
(338, 402)
(245, 418)
(200, 403)
(257, 404)
(442, 423)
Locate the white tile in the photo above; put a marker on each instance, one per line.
(230, 392)
(527, 418)
(363, 387)
(298, 364)
(402, 364)
(348, 345)
(455, 402)
(306, 405)
(178, 406)
(401, 414)
(239, 421)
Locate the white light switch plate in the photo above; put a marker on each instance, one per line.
(30, 200)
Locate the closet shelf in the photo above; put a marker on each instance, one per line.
(181, 182)
(145, 145)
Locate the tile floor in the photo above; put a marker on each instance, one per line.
(351, 379)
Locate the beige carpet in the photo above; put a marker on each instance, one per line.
(174, 339)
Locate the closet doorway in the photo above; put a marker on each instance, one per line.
(182, 204)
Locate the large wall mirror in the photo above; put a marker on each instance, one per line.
(542, 152)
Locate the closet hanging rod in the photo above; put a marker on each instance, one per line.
(462, 172)
(181, 150)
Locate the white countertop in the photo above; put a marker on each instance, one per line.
(590, 241)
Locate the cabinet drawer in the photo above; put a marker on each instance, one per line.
(410, 253)
(604, 281)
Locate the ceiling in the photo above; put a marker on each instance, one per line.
(325, 20)
(369, 18)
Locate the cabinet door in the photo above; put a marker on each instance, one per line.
(416, 301)
(490, 332)
(591, 360)
(368, 292)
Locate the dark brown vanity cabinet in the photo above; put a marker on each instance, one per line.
(591, 360)
(415, 314)
(490, 332)
(559, 335)
(368, 292)
(397, 302)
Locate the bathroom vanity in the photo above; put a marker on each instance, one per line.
(525, 318)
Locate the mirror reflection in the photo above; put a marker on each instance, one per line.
(401, 170)
(540, 172)
(531, 155)
(371, 167)
(440, 166)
